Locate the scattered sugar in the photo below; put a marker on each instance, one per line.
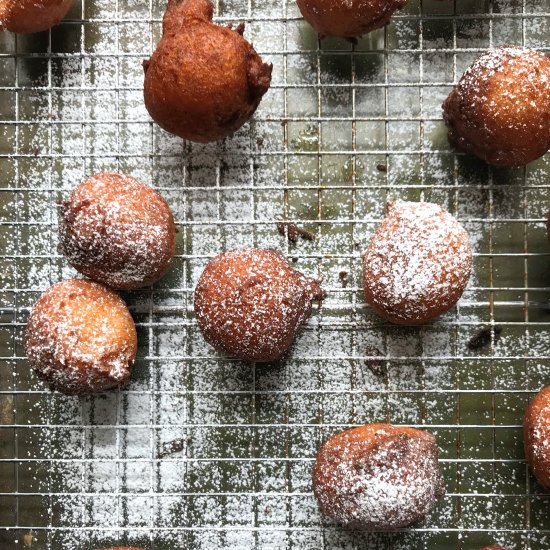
(99, 486)
(419, 261)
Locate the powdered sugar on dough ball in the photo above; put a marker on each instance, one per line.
(81, 338)
(118, 231)
(536, 430)
(417, 264)
(378, 476)
(249, 303)
(500, 109)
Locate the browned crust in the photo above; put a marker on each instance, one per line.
(536, 431)
(249, 303)
(81, 338)
(118, 231)
(357, 449)
(348, 19)
(500, 109)
(28, 16)
(203, 82)
(407, 296)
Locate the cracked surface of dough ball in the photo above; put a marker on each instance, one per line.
(28, 16)
(81, 338)
(118, 231)
(417, 264)
(348, 18)
(203, 82)
(249, 303)
(378, 476)
(500, 109)
(536, 433)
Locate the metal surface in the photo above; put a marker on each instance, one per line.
(204, 452)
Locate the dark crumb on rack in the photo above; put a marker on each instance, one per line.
(343, 278)
(260, 142)
(293, 232)
(483, 337)
(375, 363)
(268, 509)
(382, 168)
(172, 447)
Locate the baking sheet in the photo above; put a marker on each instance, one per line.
(202, 452)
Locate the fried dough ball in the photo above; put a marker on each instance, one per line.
(250, 303)
(378, 476)
(81, 338)
(500, 109)
(536, 433)
(27, 16)
(203, 81)
(118, 231)
(418, 263)
(348, 18)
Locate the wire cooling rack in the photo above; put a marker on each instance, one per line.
(199, 451)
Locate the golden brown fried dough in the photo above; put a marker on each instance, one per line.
(203, 81)
(500, 109)
(249, 303)
(418, 263)
(378, 476)
(81, 338)
(25, 16)
(536, 433)
(348, 18)
(118, 231)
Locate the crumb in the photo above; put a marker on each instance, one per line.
(260, 142)
(382, 168)
(268, 509)
(292, 232)
(483, 337)
(172, 447)
(343, 278)
(375, 362)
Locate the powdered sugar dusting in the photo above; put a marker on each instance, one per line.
(377, 477)
(117, 230)
(500, 109)
(80, 338)
(95, 470)
(417, 264)
(250, 302)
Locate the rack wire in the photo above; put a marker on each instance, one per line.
(200, 451)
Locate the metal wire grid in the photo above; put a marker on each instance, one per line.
(77, 474)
